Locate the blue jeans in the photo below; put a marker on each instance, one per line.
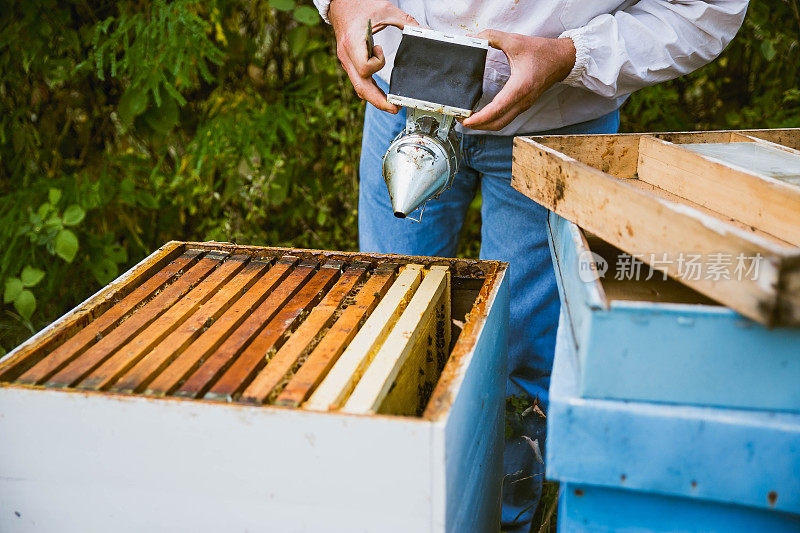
(513, 229)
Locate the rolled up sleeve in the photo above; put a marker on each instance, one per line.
(650, 42)
(322, 7)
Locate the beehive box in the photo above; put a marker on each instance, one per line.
(676, 199)
(592, 509)
(653, 339)
(224, 387)
(665, 464)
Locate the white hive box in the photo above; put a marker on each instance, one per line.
(85, 455)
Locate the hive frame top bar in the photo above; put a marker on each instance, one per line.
(464, 40)
(439, 403)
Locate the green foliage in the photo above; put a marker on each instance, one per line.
(755, 83)
(126, 124)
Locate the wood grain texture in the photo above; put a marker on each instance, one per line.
(337, 386)
(154, 334)
(212, 338)
(336, 339)
(173, 345)
(140, 319)
(199, 382)
(274, 334)
(99, 327)
(303, 337)
(617, 154)
(409, 330)
(409, 393)
(767, 203)
(37, 347)
(642, 222)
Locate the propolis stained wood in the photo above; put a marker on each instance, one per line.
(207, 354)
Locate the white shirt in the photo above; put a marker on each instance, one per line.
(621, 46)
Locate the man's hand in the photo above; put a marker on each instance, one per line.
(536, 64)
(349, 20)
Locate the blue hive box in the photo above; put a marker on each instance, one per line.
(664, 464)
(659, 341)
(593, 509)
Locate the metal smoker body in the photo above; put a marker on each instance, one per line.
(422, 160)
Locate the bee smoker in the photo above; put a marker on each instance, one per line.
(437, 77)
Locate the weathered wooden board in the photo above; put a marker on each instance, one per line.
(74, 346)
(199, 382)
(143, 317)
(290, 354)
(156, 333)
(331, 346)
(212, 338)
(656, 224)
(171, 347)
(617, 154)
(338, 385)
(770, 204)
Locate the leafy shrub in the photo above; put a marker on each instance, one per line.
(126, 124)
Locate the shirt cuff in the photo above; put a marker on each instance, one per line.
(323, 6)
(581, 42)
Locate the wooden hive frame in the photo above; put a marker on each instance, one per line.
(195, 320)
(647, 194)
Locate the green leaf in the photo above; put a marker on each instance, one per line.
(13, 288)
(54, 195)
(73, 215)
(147, 200)
(31, 276)
(282, 5)
(104, 270)
(306, 15)
(132, 104)
(25, 304)
(164, 117)
(43, 210)
(127, 185)
(298, 40)
(117, 253)
(66, 245)
(768, 50)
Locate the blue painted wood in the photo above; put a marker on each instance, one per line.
(474, 429)
(592, 509)
(738, 456)
(667, 352)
